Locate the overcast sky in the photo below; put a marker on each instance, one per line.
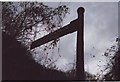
(101, 29)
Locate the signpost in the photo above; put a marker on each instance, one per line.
(75, 25)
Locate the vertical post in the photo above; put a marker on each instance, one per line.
(80, 74)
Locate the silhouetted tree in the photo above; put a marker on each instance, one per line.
(114, 72)
(22, 19)
(26, 20)
(113, 65)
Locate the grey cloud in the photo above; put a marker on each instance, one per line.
(101, 29)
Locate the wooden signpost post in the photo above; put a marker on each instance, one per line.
(76, 25)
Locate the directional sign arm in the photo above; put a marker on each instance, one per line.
(56, 34)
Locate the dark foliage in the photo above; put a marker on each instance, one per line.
(24, 19)
(114, 73)
(113, 65)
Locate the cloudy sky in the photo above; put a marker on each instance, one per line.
(101, 29)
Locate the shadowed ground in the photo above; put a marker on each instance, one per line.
(16, 65)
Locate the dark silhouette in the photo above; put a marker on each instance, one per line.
(19, 65)
(19, 21)
(80, 73)
(24, 20)
(76, 25)
(114, 73)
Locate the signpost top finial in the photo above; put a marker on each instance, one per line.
(80, 10)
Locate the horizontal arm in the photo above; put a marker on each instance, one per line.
(70, 28)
